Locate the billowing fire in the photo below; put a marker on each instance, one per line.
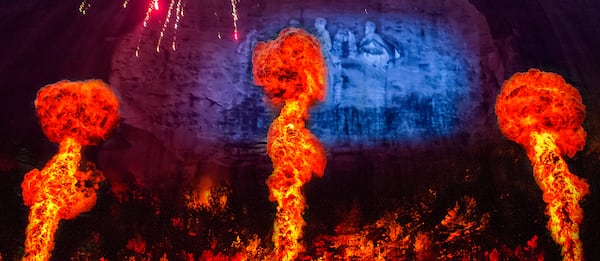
(292, 71)
(72, 114)
(543, 113)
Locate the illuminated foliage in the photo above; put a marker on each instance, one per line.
(543, 113)
(291, 69)
(406, 233)
(409, 232)
(459, 227)
(207, 196)
(528, 252)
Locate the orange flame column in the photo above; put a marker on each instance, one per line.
(72, 114)
(562, 191)
(543, 113)
(292, 71)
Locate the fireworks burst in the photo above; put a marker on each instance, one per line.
(543, 113)
(73, 114)
(292, 71)
(175, 9)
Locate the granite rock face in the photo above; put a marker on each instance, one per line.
(428, 79)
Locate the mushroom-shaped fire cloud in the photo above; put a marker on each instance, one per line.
(292, 71)
(543, 113)
(72, 114)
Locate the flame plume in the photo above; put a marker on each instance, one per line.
(292, 71)
(543, 113)
(72, 114)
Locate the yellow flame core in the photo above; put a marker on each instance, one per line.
(54, 193)
(562, 192)
(296, 154)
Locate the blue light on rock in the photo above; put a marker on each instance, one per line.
(399, 73)
(405, 82)
(390, 79)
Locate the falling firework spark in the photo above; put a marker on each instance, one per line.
(164, 27)
(234, 14)
(73, 114)
(292, 71)
(179, 14)
(176, 8)
(543, 113)
(84, 7)
(153, 5)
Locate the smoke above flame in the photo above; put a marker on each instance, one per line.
(292, 71)
(72, 114)
(543, 113)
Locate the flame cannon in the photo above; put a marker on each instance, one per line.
(543, 113)
(72, 114)
(292, 71)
